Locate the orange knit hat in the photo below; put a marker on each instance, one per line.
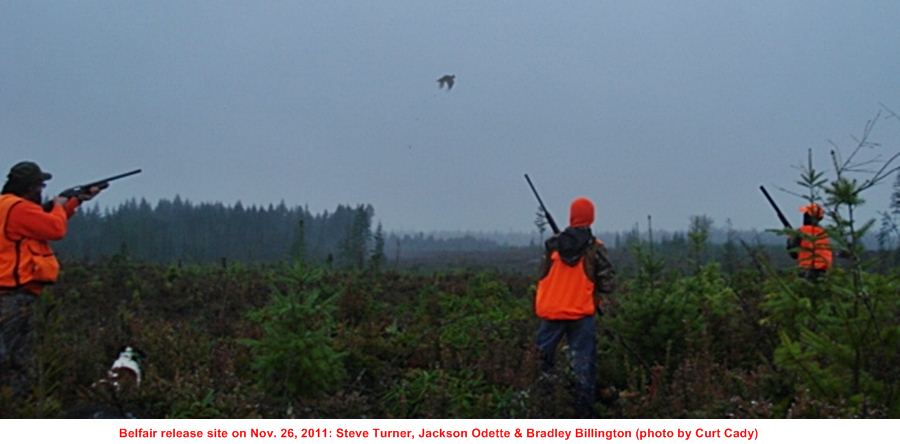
(581, 213)
(813, 210)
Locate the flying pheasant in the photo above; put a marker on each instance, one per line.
(446, 80)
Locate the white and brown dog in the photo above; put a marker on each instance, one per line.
(125, 372)
(113, 395)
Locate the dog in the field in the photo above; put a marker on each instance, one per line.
(112, 395)
(125, 372)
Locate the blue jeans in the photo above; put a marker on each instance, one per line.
(582, 339)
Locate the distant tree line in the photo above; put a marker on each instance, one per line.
(178, 230)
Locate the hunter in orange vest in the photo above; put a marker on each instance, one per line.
(810, 247)
(27, 264)
(576, 280)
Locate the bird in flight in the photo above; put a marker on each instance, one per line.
(446, 80)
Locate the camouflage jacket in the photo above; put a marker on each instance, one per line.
(575, 243)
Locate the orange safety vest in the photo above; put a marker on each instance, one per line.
(566, 292)
(23, 262)
(814, 252)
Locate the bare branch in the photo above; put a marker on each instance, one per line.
(834, 159)
(864, 141)
(891, 113)
(785, 190)
(880, 175)
(861, 166)
(859, 171)
(877, 159)
(835, 149)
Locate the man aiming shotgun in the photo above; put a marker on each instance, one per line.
(809, 245)
(576, 280)
(27, 263)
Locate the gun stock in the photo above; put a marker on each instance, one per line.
(547, 215)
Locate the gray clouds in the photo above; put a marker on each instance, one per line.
(669, 108)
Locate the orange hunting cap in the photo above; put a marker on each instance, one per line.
(813, 210)
(581, 213)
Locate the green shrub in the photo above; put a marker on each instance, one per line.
(666, 322)
(294, 355)
(839, 347)
(439, 393)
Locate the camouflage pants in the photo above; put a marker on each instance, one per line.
(16, 343)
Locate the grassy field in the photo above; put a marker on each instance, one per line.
(299, 341)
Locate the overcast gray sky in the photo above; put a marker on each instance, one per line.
(665, 108)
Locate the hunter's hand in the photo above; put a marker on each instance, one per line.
(59, 200)
(84, 197)
(607, 306)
